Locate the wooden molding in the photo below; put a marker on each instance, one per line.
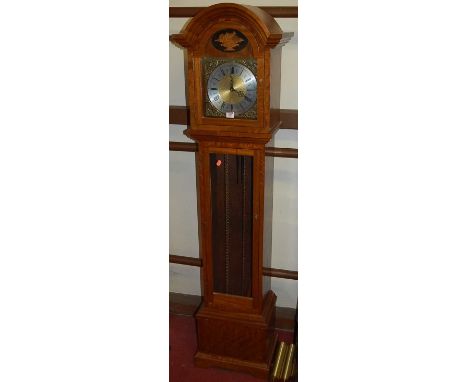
(280, 273)
(183, 146)
(197, 262)
(281, 12)
(187, 305)
(185, 260)
(288, 118)
(278, 152)
(180, 115)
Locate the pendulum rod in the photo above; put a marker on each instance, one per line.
(227, 223)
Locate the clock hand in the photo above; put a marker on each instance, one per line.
(239, 92)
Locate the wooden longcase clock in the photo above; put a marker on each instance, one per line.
(233, 66)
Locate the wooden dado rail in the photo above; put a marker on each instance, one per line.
(196, 262)
(283, 12)
(179, 115)
(279, 152)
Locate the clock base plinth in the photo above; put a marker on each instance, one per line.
(237, 341)
(257, 369)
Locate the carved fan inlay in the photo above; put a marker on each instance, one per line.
(229, 40)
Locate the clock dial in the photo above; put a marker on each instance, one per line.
(232, 88)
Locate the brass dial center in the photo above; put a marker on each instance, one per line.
(232, 89)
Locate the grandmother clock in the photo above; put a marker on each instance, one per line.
(233, 69)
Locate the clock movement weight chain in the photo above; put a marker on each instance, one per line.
(227, 227)
(243, 224)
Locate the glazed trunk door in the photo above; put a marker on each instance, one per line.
(231, 179)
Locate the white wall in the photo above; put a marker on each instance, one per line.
(183, 238)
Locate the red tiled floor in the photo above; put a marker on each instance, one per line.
(183, 345)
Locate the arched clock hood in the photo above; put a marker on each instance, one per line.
(264, 27)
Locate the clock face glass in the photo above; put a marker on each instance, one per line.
(231, 91)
